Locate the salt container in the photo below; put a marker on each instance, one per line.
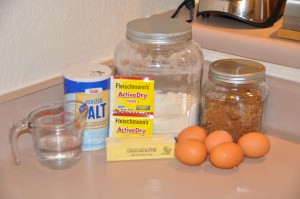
(91, 83)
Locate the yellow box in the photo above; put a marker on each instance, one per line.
(132, 94)
(136, 148)
(130, 124)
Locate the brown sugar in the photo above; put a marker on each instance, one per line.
(239, 111)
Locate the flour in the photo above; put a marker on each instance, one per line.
(174, 112)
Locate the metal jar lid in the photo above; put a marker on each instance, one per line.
(157, 30)
(237, 71)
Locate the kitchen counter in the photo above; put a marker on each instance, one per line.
(274, 176)
(236, 38)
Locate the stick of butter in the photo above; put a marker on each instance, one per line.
(136, 148)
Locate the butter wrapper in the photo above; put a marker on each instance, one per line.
(138, 148)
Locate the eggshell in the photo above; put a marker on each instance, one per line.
(190, 152)
(192, 132)
(254, 144)
(226, 155)
(215, 138)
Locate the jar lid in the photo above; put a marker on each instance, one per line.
(157, 30)
(237, 71)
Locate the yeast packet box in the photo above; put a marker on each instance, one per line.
(132, 94)
(131, 124)
(131, 99)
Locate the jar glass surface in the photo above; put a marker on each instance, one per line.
(236, 108)
(177, 70)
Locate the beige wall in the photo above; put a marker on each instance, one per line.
(39, 38)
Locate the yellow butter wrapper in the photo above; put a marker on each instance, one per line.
(132, 94)
(137, 148)
(130, 124)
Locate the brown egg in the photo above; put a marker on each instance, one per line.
(192, 132)
(254, 144)
(215, 138)
(190, 151)
(226, 155)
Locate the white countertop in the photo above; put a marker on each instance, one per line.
(241, 39)
(274, 176)
(236, 38)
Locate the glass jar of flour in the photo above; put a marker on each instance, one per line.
(163, 48)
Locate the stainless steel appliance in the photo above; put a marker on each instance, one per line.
(259, 13)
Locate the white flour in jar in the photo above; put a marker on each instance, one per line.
(173, 112)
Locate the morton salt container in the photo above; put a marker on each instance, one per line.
(91, 83)
(234, 97)
(163, 48)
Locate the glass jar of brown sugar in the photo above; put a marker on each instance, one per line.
(233, 97)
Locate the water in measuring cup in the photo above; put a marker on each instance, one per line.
(59, 152)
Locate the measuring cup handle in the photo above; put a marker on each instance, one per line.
(13, 139)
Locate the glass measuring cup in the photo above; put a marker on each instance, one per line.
(57, 131)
